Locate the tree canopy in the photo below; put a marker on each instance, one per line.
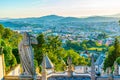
(112, 54)
(9, 42)
(52, 46)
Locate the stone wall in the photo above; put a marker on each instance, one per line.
(108, 78)
(14, 72)
(2, 72)
(100, 78)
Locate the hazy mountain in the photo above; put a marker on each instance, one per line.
(56, 22)
(55, 18)
(51, 17)
(70, 19)
(101, 19)
(60, 18)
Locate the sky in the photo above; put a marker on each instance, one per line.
(75, 8)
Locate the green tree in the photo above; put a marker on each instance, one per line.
(7, 33)
(39, 48)
(76, 58)
(112, 54)
(118, 60)
(9, 42)
(16, 54)
(52, 46)
(10, 59)
(1, 29)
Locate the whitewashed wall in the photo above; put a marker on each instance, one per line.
(1, 67)
(81, 69)
(15, 72)
(119, 70)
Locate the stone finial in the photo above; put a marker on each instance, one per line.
(47, 64)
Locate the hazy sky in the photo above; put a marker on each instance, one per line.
(77, 8)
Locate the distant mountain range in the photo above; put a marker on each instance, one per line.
(66, 19)
(55, 21)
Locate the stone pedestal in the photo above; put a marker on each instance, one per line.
(70, 73)
(110, 77)
(44, 75)
(24, 76)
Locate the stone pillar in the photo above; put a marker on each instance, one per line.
(92, 68)
(44, 71)
(110, 77)
(85, 69)
(70, 70)
(2, 67)
(116, 69)
(44, 74)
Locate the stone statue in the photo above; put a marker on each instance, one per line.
(27, 55)
(70, 67)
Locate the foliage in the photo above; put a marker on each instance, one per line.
(76, 58)
(94, 48)
(72, 45)
(1, 29)
(7, 33)
(10, 59)
(52, 46)
(15, 52)
(35, 63)
(112, 54)
(9, 42)
(39, 48)
(118, 60)
(101, 36)
(85, 45)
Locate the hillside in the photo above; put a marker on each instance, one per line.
(57, 23)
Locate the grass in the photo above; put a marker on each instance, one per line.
(94, 48)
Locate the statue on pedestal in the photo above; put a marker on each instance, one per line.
(70, 67)
(27, 55)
